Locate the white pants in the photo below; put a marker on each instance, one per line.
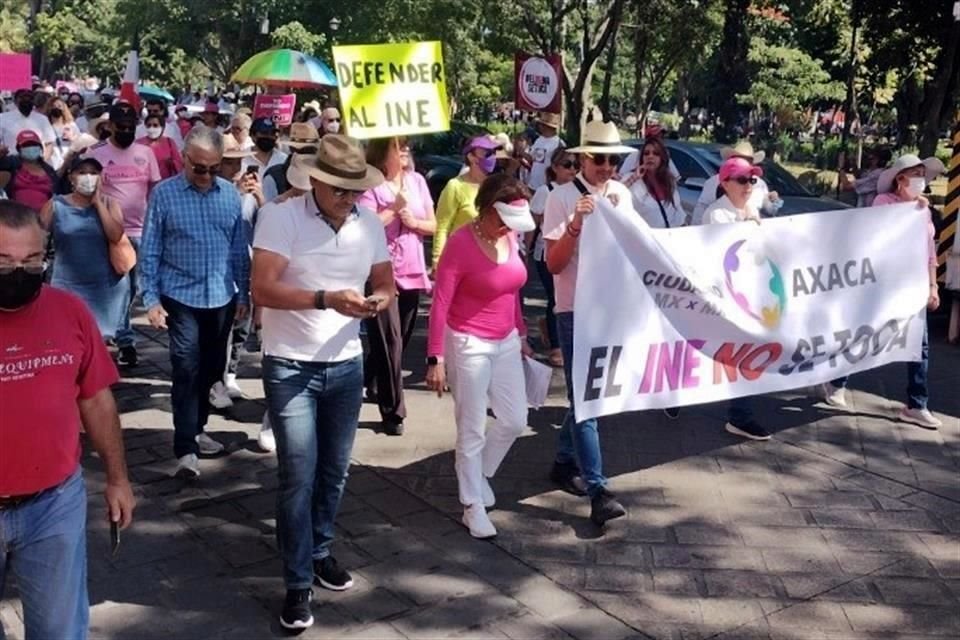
(479, 370)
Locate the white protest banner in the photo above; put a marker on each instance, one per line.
(672, 317)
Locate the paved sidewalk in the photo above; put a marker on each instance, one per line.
(846, 525)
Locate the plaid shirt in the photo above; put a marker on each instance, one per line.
(194, 247)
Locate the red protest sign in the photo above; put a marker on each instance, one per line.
(537, 81)
(278, 107)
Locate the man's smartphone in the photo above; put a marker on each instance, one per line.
(114, 537)
(252, 169)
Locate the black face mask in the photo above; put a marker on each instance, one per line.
(56, 113)
(25, 107)
(124, 138)
(265, 144)
(19, 288)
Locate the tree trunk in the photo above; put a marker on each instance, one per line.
(937, 91)
(732, 73)
(683, 105)
(611, 61)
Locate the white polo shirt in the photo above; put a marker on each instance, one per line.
(319, 259)
(276, 157)
(13, 122)
(758, 197)
(558, 213)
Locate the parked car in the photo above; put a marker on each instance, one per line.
(696, 162)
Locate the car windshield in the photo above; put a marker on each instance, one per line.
(777, 178)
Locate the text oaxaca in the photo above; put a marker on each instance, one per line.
(714, 312)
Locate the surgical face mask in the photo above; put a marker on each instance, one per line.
(265, 144)
(488, 164)
(87, 183)
(915, 186)
(154, 132)
(19, 287)
(31, 153)
(332, 126)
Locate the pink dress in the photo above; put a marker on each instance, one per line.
(475, 295)
(405, 244)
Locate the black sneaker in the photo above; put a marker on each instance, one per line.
(127, 357)
(604, 507)
(567, 477)
(673, 412)
(329, 575)
(296, 609)
(748, 429)
(393, 426)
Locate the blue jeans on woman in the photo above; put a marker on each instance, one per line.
(314, 409)
(125, 335)
(918, 394)
(579, 442)
(43, 543)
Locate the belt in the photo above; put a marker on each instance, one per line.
(11, 502)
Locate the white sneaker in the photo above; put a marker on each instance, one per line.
(475, 518)
(266, 440)
(219, 398)
(921, 418)
(209, 446)
(489, 498)
(833, 396)
(233, 389)
(188, 467)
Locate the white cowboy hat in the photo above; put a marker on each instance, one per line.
(340, 162)
(506, 146)
(302, 134)
(516, 215)
(600, 137)
(551, 120)
(232, 148)
(297, 176)
(932, 168)
(742, 149)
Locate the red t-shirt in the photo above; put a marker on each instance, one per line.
(51, 355)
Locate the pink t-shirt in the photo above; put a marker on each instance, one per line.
(893, 198)
(31, 190)
(127, 177)
(473, 294)
(168, 156)
(405, 244)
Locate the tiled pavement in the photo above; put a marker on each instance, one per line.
(845, 525)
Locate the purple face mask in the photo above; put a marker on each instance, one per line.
(488, 164)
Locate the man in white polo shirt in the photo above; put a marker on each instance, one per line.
(312, 256)
(24, 118)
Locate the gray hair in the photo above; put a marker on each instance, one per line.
(242, 120)
(205, 138)
(14, 215)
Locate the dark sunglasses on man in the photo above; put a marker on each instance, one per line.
(604, 158)
(203, 169)
(344, 193)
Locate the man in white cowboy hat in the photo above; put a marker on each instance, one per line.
(906, 181)
(578, 460)
(762, 198)
(195, 274)
(548, 126)
(313, 255)
(225, 391)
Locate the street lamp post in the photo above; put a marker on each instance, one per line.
(850, 104)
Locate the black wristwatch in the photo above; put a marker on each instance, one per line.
(432, 361)
(318, 300)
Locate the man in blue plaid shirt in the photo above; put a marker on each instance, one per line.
(195, 273)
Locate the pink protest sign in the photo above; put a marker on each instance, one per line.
(278, 107)
(16, 71)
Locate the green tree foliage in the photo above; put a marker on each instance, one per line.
(293, 35)
(13, 27)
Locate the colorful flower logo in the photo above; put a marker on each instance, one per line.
(755, 284)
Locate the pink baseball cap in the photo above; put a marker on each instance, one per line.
(735, 167)
(28, 136)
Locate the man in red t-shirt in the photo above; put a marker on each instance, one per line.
(55, 375)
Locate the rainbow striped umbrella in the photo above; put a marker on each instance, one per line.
(286, 68)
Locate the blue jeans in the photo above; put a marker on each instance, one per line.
(125, 335)
(579, 441)
(918, 395)
(43, 543)
(198, 355)
(314, 408)
(546, 279)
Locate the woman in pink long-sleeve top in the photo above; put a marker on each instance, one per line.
(477, 336)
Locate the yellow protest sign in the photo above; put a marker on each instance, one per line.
(392, 89)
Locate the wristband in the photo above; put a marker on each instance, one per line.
(318, 302)
(434, 360)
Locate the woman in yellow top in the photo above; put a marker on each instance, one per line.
(457, 205)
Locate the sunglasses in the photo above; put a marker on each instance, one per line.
(203, 169)
(486, 153)
(569, 164)
(333, 119)
(744, 180)
(604, 158)
(346, 193)
(32, 268)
